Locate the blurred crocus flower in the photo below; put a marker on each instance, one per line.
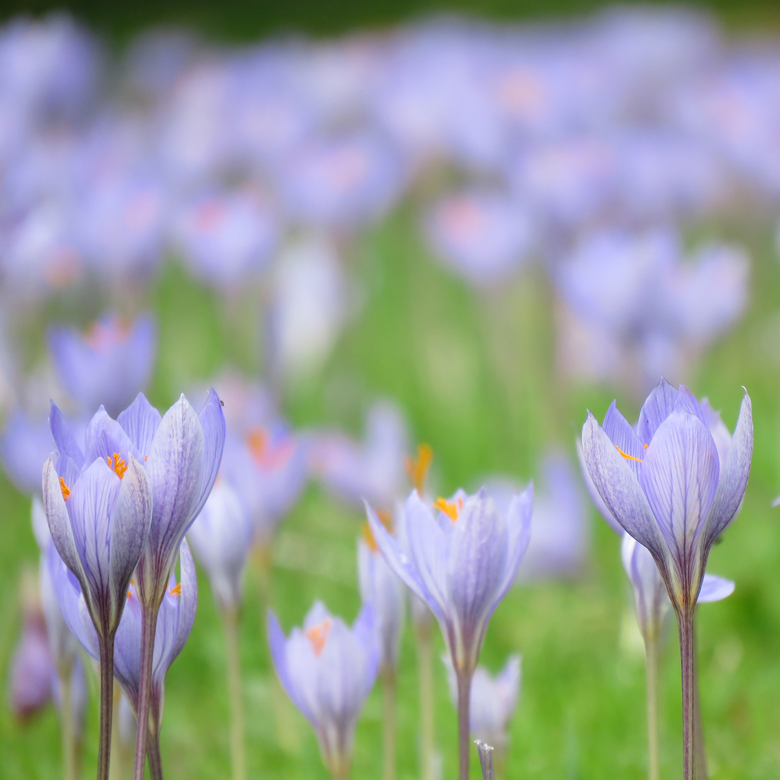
(107, 366)
(25, 444)
(482, 235)
(226, 238)
(650, 597)
(174, 623)
(221, 538)
(668, 483)
(371, 470)
(464, 556)
(493, 701)
(328, 670)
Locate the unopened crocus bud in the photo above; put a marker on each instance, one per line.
(328, 670)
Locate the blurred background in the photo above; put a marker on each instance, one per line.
(372, 225)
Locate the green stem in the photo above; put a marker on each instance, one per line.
(388, 722)
(464, 731)
(148, 630)
(69, 762)
(237, 754)
(685, 622)
(106, 650)
(427, 725)
(651, 651)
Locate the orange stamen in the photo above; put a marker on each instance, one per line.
(368, 537)
(627, 456)
(119, 466)
(176, 591)
(417, 468)
(102, 335)
(65, 489)
(318, 636)
(264, 453)
(450, 508)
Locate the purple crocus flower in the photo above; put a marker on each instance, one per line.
(671, 488)
(24, 446)
(107, 366)
(462, 560)
(221, 538)
(328, 670)
(493, 701)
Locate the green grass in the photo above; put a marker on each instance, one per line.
(476, 375)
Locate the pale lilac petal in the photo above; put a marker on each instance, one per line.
(212, 420)
(733, 475)
(105, 437)
(140, 422)
(658, 406)
(64, 440)
(188, 601)
(714, 588)
(720, 433)
(278, 643)
(518, 520)
(597, 500)
(687, 402)
(622, 435)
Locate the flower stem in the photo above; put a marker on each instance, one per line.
(153, 753)
(69, 768)
(148, 629)
(651, 652)
(701, 755)
(117, 759)
(464, 712)
(685, 621)
(485, 759)
(106, 650)
(237, 754)
(388, 722)
(427, 726)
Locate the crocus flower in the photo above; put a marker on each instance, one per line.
(328, 670)
(109, 365)
(463, 559)
(24, 446)
(221, 538)
(493, 701)
(668, 485)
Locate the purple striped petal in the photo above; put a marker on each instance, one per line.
(518, 520)
(140, 422)
(105, 437)
(658, 406)
(212, 420)
(64, 440)
(624, 438)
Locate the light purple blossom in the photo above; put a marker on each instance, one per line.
(464, 556)
(24, 446)
(667, 484)
(109, 365)
(328, 670)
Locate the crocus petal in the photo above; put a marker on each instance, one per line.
(679, 477)
(597, 500)
(64, 439)
(658, 406)
(278, 642)
(188, 601)
(212, 420)
(130, 525)
(518, 518)
(619, 488)
(733, 476)
(622, 435)
(140, 422)
(104, 437)
(714, 588)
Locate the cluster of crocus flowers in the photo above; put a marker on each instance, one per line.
(674, 485)
(328, 670)
(463, 555)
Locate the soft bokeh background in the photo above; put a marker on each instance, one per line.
(478, 375)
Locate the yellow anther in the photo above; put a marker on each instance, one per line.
(263, 452)
(368, 537)
(118, 466)
(176, 591)
(318, 636)
(627, 456)
(65, 489)
(417, 468)
(450, 508)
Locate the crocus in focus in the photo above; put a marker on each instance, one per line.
(669, 486)
(328, 670)
(108, 365)
(463, 557)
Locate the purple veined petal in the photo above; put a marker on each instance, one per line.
(658, 406)
(428, 545)
(188, 600)
(140, 422)
(130, 523)
(212, 420)
(619, 488)
(399, 562)
(64, 440)
(720, 433)
(733, 475)
(476, 570)
(105, 437)
(624, 438)
(127, 651)
(278, 643)
(90, 505)
(597, 500)
(687, 402)
(714, 588)
(59, 521)
(679, 477)
(518, 519)
(71, 600)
